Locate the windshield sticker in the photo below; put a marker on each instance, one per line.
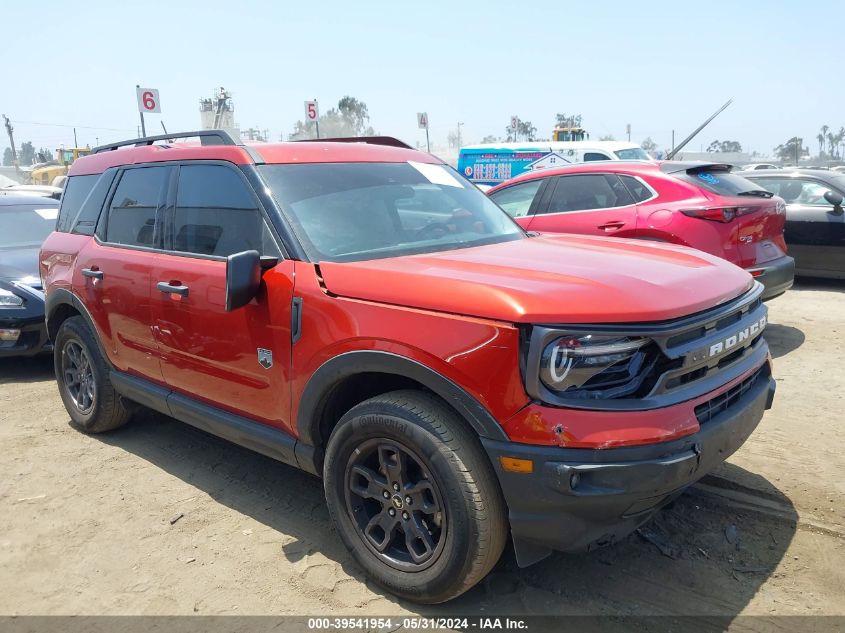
(436, 174)
(708, 178)
(48, 214)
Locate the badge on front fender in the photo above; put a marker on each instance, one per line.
(265, 358)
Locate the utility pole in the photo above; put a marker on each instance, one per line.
(317, 120)
(75, 142)
(10, 130)
(460, 137)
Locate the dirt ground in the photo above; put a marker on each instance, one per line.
(86, 523)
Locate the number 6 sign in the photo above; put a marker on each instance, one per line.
(148, 102)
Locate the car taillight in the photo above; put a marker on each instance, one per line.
(716, 214)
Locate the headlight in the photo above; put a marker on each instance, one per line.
(9, 299)
(590, 366)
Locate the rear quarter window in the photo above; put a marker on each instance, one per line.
(75, 192)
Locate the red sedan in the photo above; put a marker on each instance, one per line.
(700, 205)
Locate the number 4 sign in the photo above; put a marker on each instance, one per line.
(422, 120)
(148, 102)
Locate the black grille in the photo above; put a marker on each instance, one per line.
(706, 411)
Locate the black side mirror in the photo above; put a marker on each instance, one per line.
(835, 199)
(243, 278)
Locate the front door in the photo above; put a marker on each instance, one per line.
(238, 360)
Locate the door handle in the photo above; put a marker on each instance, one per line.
(611, 226)
(175, 288)
(92, 272)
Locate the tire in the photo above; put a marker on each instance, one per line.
(82, 375)
(457, 519)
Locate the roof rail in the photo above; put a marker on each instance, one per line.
(371, 140)
(207, 137)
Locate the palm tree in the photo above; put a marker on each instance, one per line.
(840, 136)
(824, 131)
(831, 144)
(820, 139)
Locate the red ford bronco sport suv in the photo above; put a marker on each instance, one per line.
(362, 312)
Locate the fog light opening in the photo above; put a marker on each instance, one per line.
(8, 335)
(574, 480)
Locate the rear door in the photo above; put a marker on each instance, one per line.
(815, 232)
(590, 204)
(239, 360)
(112, 272)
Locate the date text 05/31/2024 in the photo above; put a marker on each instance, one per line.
(429, 624)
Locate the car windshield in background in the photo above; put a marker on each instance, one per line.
(724, 183)
(26, 225)
(360, 211)
(635, 153)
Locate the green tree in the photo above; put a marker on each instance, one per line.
(648, 145)
(7, 157)
(525, 131)
(607, 137)
(26, 154)
(568, 120)
(350, 118)
(724, 146)
(823, 132)
(792, 150)
(490, 138)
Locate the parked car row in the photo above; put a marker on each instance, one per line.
(700, 205)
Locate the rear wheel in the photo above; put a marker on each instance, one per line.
(414, 497)
(83, 378)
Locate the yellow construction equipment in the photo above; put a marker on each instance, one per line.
(46, 173)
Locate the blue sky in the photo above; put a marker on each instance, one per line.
(656, 65)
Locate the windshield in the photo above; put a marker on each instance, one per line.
(635, 153)
(360, 211)
(26, 225)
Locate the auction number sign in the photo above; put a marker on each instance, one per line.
(148, 101)
(312, 113)
(422, 120)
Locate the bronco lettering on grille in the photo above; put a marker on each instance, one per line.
(732, 341)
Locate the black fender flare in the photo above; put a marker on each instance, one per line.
(63, 296)
(348, 364)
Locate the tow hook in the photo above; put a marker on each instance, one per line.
(696, 448)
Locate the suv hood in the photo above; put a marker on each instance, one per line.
(548, 279)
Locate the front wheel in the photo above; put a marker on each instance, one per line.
(414, 497)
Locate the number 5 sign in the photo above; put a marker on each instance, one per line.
(148, 102)
(311, 111)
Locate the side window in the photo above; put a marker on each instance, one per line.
(516, 200)
(133, 209)
(591, 156)
(217, 214)
(640, 192)
(796, 191)
(584, 192)
(74, 194)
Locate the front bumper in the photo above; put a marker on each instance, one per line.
(29, 319)
(777, 276)
(580, 499)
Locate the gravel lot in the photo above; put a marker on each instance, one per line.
(86, 523)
